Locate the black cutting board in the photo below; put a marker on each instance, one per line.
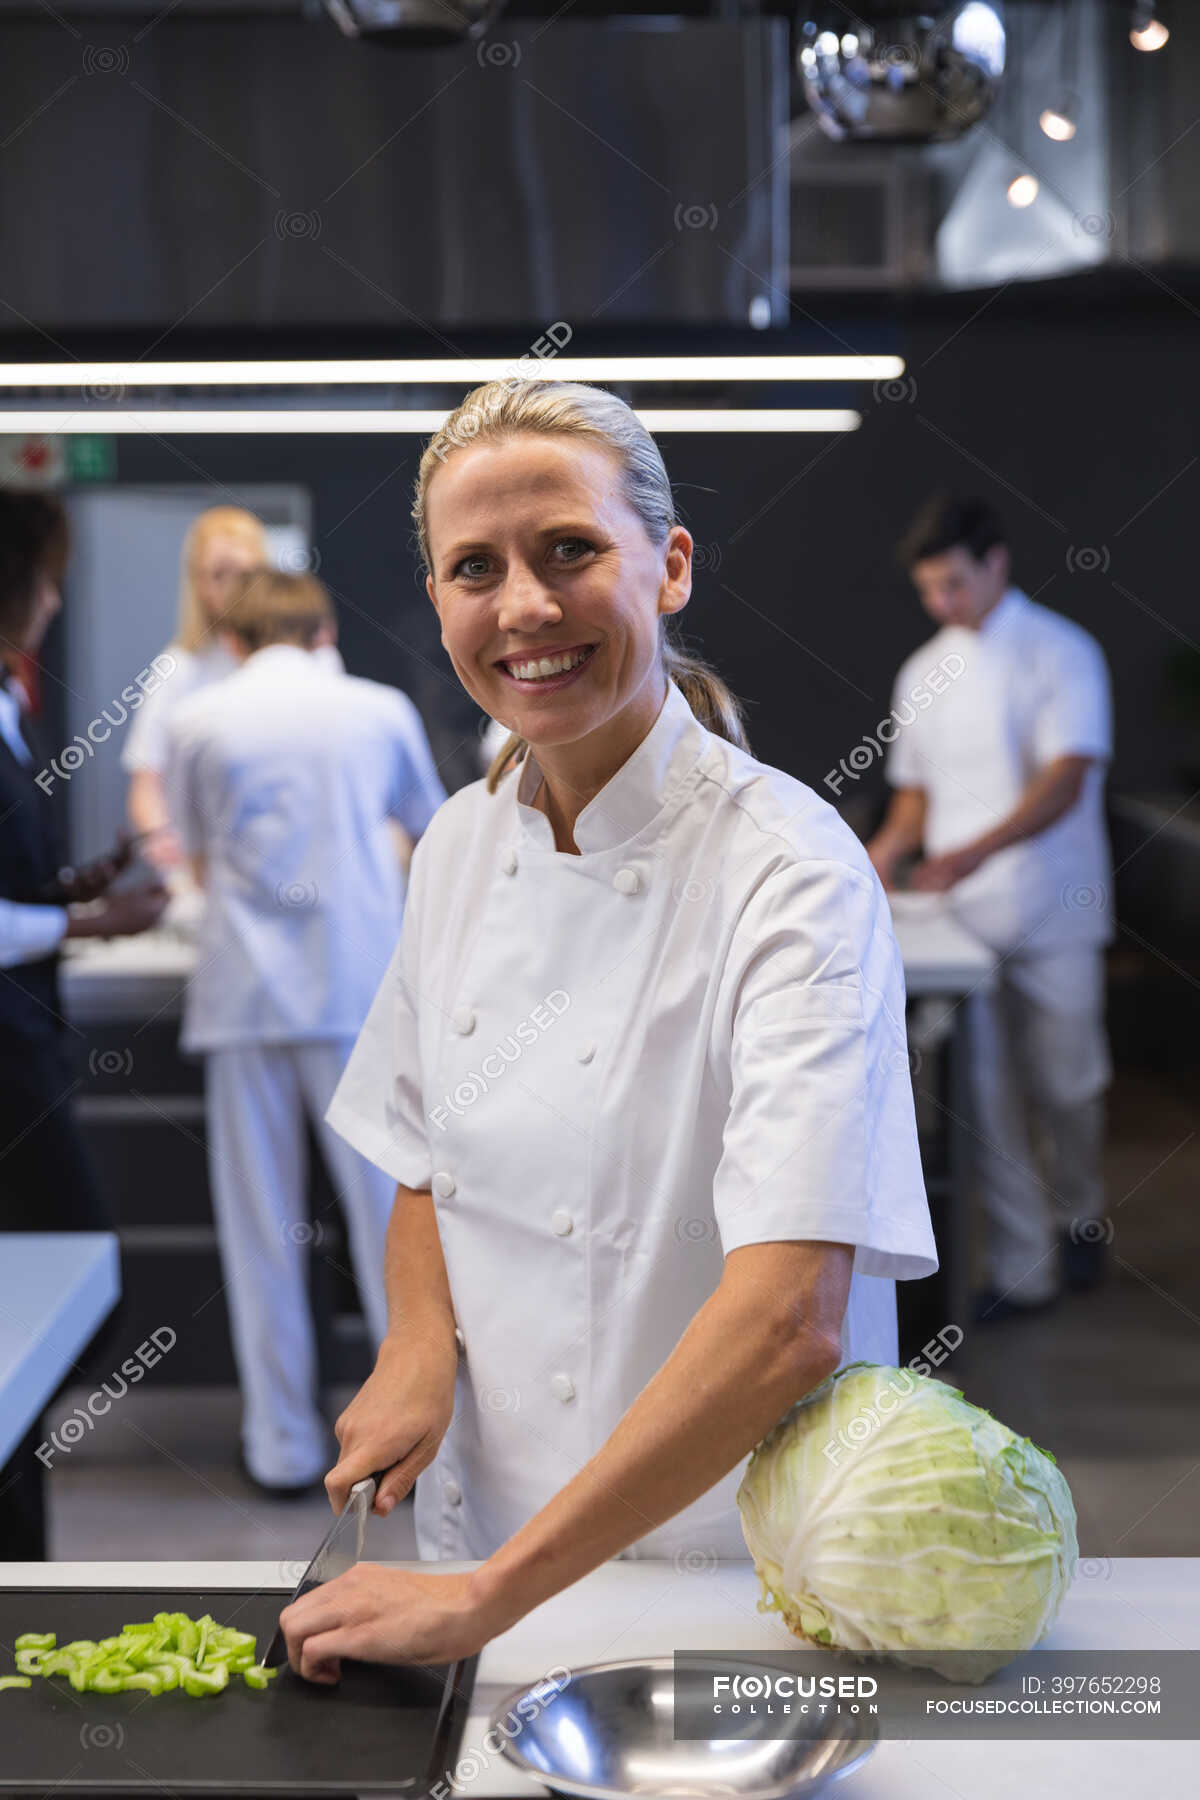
(380, 1728)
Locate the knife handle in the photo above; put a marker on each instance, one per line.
(376, 1479)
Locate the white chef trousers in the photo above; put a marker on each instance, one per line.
(257, 1096)
(1039, 1065)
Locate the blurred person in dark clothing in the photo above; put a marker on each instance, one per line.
(46, 1182)
(46, 1179)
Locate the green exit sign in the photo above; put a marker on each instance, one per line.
(91, 458)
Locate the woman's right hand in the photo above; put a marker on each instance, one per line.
(396, 1421)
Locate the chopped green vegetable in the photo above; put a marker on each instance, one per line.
(258, 1676)
(154, 1657)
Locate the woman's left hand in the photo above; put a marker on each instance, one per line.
(373, 1614)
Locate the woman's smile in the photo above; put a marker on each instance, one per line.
(545, 674)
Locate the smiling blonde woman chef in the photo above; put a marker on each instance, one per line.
(638, 1065)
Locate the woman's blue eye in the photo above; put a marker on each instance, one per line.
(579, 547)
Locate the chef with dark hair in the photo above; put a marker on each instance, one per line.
(999, 782)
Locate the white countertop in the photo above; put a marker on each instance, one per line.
(56, 1288)
(637, 1609)
(144, 977)
(939, 954)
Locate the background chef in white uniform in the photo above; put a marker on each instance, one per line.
(1001, 779)
(283, 781)
(639, 1067)
(220, 545)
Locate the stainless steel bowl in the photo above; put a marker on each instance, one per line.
(608, 1733)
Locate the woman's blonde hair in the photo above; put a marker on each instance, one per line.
(218, 522)
(500, 410)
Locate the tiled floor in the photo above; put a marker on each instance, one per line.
(1110, 1382)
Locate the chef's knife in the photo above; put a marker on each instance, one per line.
(340, 1549)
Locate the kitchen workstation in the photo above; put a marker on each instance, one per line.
(599, 900)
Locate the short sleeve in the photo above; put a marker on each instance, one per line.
(145, 744)
(419, 789)
(903, 765)
(377, 1105)
(820, 1141)
(1074, 711)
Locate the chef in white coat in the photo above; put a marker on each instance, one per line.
(220, 545)
(997, 769)
(283, 781)
(638, 1066)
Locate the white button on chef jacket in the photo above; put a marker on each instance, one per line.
(975, 714)
(747, 1000)
(303, 892)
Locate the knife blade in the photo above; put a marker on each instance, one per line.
(339, 1550)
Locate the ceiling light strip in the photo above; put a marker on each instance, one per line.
(457, 372)
(173, 422)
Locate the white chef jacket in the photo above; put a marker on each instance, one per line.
(146, 740)
(612, 1069)
(493, 740)
(1026, 687)
(283, 776)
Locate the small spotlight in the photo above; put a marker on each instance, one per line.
(1059, 122)
(1147, 32)
(1022, 190)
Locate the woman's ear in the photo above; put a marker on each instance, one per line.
(676, 588)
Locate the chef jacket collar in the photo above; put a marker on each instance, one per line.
(1003, 614)
(276, 659)
(632, 797)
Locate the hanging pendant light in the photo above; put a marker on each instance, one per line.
(1147, 32)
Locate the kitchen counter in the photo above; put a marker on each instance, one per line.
(56, 1289)
(144, 977)
(635, 1609)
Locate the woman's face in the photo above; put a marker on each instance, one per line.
(534, 549)
(217, 566)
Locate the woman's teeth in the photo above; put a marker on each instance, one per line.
(548, 665)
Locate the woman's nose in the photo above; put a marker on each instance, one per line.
(525, 601)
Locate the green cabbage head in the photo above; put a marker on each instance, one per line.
(886, 1515)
